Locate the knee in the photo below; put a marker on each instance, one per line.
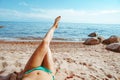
(45, 44)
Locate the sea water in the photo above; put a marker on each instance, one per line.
(65, 31)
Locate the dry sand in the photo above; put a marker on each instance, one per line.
(73, 60)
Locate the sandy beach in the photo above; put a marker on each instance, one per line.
(73, 60)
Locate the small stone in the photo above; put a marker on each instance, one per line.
(92, 41)
(112, 39)
(94, 34)
(109, 76)
(1, 26)
(114, 47)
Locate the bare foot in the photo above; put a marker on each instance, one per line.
(56, 21)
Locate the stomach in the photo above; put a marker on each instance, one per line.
(37, 75)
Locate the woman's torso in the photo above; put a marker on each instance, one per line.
(37, 75)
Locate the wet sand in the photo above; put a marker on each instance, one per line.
(73, 60)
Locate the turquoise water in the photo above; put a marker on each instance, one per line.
(66, 31)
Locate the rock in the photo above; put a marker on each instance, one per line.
(112, 39)
(1, 26)
(114, 47)
(100, 38)
(94, 34)
(109, 75)
(92, 41)
(13, 76)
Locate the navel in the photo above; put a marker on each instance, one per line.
(38, 73)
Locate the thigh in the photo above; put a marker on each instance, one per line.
(37, 57)
(48, 61)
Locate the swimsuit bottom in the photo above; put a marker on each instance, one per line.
(40, 68)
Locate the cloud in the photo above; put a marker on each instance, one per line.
(23, 4)
(68, 15)
(110, 11)
(104, 12)
(71, 15)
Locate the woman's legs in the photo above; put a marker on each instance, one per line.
(42, 54)
(48, 61)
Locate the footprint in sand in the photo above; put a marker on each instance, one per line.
(69, 60)
(2, 58)
(4, 64)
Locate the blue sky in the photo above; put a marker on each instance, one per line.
(78, 11)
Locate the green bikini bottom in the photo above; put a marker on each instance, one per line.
(40, 68)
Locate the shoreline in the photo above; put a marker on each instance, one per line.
(36, 42)
(40, 39)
